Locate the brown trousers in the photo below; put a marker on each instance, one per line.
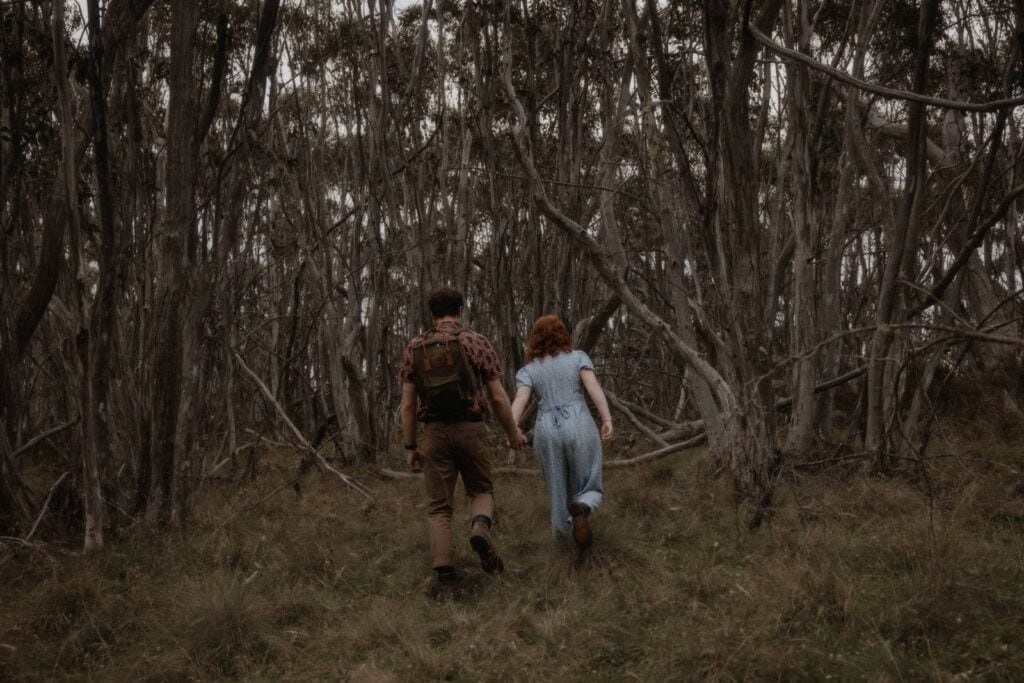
(450, 449)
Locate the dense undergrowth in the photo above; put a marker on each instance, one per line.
(855, 577)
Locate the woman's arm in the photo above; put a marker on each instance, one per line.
(503, 412)
(593, 387)
(520, 402)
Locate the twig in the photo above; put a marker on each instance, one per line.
(259, 502)
(624, 409)
(552, 181)
(613, 464)
(957, 456)
(825, 386)
(404, 476)
(977, 237)
(261, 437)
(395, 474)
(829, 461)
(46, 505)
(958, 332)
(45, 435)
(237, 450)
(658, 454)
(15, 540)
(653, 417)
(302, 443)
(528, 471)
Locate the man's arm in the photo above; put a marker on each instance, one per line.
(522, 398)
(407, 413)
(503, 412)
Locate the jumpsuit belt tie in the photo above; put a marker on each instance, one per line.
(560, 414)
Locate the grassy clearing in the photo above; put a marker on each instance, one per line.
(856, 577)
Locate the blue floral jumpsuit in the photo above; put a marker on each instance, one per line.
(566, 441)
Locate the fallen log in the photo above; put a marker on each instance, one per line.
(620, 405)
(386, 473)
(658, 454)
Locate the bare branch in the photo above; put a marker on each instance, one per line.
(45, 435)
(658, 454)
(631, 416)
(46, 506)
(881, 90)
(723, 393)
(303, 443)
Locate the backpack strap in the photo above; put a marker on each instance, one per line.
(447, 346)
(423, 345)
(473, 372)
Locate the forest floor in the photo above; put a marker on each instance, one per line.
(855, 577)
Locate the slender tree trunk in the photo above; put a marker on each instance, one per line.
(803, 323)
(173, 291)
(901, 244)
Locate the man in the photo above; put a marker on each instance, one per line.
(442, 371)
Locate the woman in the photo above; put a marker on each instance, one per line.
(566, 440)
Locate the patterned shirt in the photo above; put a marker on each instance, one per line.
(479, 351)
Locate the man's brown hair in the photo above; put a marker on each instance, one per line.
(444, 301)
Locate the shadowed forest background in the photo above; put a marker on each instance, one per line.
(787, 231)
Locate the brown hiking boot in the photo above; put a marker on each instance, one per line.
(581, 533)
(445, 588)
(480, 539)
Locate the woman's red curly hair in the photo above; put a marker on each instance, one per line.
(548, 337)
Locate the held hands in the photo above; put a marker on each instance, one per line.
(414, 461)
(517, 441)
(607, 431)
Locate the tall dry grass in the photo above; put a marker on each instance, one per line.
(855, 577)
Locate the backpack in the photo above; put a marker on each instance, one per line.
(445, 379)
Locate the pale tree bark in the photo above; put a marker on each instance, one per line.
(685, 200)
(239, 180)
(742, 447)
(803, 322)
(909, 425)
(671, 224)
(613, 112)
(173, 292)
(733, 239)
(900, 244)
(536, 252)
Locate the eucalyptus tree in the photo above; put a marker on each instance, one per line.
(780, 226)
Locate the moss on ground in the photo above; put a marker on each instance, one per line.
(855, 577)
